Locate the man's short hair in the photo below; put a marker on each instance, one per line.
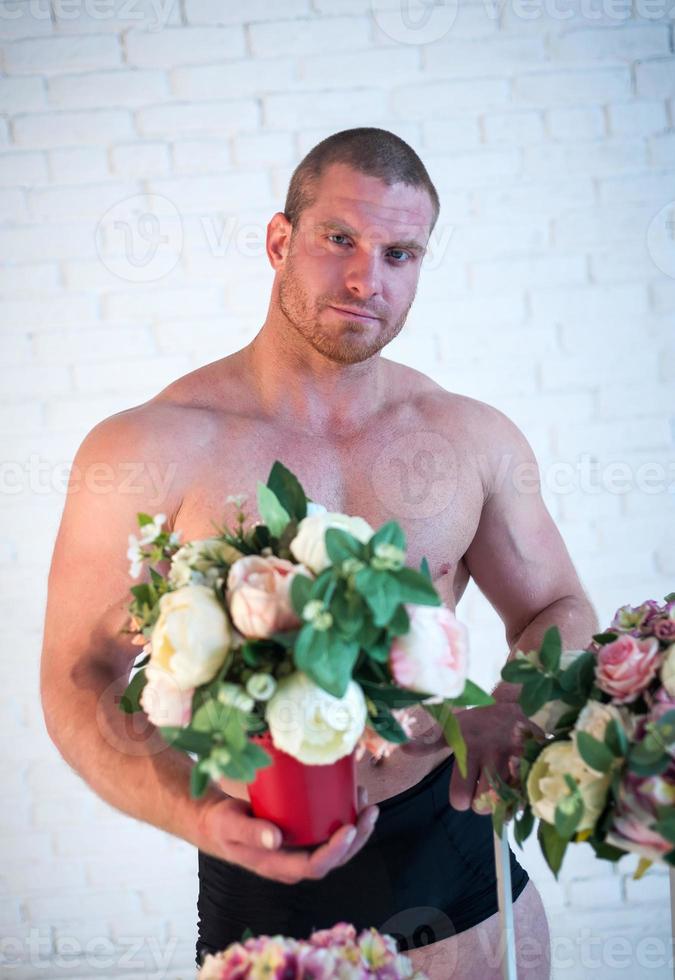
(371, 151)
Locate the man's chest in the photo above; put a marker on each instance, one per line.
(418, 477)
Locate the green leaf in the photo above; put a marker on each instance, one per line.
(399, 624)
(578, 678)
(451, 730)
(394, 697)
(271, 510)
(381, 591)
(143, 519)
(517, 670)
(341, 545)
(472, 695)
(386, 725)
(244, 763)
(389, 533)
(550, 650)
(199, 780)
(424, 568)
(553, 846)
(616, 739)
(604, 638)
(666, 827)
(569, 811)
(648, 757)
(415, 587)
(288, 491)
(301, 590)
(523, 825)
(187, 739)
(670, 597)
(536, 691)
(130, 701)
(326, 658)
(594, 752)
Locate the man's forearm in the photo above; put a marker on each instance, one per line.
(577, 622)
(124, 758)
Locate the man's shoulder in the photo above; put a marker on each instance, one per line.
(479, 416)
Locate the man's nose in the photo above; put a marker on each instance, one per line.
(364, 276)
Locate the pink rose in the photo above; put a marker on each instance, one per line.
(626, 666)
(258, 595)
(433, 656)
(380, 748)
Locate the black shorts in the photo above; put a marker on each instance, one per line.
(426, 872)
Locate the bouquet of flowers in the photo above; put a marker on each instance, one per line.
(306, 628)
(329, 954)
(600, 764)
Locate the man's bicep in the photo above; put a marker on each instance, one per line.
(89, 581)
(518, 558)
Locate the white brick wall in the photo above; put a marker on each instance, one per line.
(548, 129)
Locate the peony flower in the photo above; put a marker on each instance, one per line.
(312, 725)
(309, 546)
(258, 595)
(546, 785)
(548, 716)
(636, 812)
(595, 716)
(433, 656)
(626, 666)
(163, 701)
(191, 637)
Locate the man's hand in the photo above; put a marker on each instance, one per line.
(229, 832)
(491, 736)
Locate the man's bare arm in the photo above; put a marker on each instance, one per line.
(518, 558)
(86, 665)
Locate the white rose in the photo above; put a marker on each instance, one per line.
(594, 718)
(312, 725)
(308, 546)
(191, 637)
(163, 701)
(546, 785)
(668, 670)
(548, 716)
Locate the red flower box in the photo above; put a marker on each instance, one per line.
(307, 802)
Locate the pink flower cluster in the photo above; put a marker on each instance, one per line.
(329, 954)
(627, 666)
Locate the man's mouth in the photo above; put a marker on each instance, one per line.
(366, 317)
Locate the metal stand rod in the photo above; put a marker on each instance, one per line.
(505, 899)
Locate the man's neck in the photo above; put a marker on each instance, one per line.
(305, 390)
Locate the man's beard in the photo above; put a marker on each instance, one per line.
(341, 343)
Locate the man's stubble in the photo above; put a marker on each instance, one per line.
(344, 345)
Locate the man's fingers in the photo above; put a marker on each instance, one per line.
(462, 787)
(243, 828)
(364, 828)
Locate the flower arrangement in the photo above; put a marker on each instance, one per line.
(307, 625)
(598, 762)
(329, 954)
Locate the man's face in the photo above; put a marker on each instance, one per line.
(360, 246)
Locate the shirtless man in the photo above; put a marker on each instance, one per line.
(313, 390)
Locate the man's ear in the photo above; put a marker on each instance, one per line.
(279, 231)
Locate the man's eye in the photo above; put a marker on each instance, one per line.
(403, 253)
(336, 235)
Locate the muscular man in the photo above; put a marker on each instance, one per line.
(366, 436)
